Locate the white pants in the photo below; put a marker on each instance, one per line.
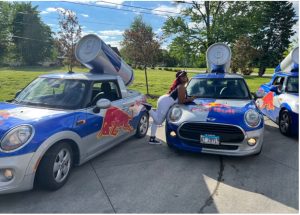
(163, 105)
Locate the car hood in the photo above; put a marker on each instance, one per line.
(12, 115)
(218, 111)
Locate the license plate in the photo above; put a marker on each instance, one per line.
(210, 139)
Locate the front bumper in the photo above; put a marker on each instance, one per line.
(225, 148)
(22, 179)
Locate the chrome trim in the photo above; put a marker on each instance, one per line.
(22, 146)
(245, 135)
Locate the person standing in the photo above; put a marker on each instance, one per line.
(176, 95)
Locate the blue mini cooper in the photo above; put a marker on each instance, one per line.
(61, 120)
(223, 119)
(280, 101)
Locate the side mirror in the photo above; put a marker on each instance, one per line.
(258, 94)
(102, 104)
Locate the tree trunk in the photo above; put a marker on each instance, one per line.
(261, 71)
(145, 68)
(71, 57)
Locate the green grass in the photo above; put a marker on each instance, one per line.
(12, 80)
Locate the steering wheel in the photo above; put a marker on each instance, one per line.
(97, 97)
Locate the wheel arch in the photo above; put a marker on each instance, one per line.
(70, 137)
(283, 107)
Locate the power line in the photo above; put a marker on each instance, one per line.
(143, 8)
(101, 6)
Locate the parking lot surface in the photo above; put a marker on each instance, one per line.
(136, 177)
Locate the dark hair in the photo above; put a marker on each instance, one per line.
(177, 81)
(180, 73)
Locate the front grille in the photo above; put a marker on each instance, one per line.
(227, 133)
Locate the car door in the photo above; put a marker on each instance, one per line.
(271, 99)
(111, 125)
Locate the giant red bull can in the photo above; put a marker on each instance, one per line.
(218, 57)
(92, 52)
(290, 63)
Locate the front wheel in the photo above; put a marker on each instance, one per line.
(143, 125)
(285, 123)
(55, 167)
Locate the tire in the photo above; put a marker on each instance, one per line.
(142, 127)
(285, 123)
(60, 157)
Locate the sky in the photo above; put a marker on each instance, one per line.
(109, 20)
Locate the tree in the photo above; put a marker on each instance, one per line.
(274, 31)
(242, 55)
(140, 46)
(5, 28)
(165, 59)
(32, 38)
(196, 27)
(69, 34)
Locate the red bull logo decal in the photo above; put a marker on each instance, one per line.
(3, 116)
(213, 106)
(115, 119)
(267, 101)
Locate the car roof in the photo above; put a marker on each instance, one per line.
(81, 76)
(217, 75)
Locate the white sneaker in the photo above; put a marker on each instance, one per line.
(154, 141)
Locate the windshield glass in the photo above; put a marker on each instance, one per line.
(218, 88)
(292, 85)
(53, 93)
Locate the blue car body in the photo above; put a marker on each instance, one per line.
(221, 118)
(88, 132)
(274, 100)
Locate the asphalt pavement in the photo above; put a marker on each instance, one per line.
(135, 177)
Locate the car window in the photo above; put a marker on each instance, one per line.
(292, 85)
(54, 93)
(219, 88)
(278, 82)
(104, 89)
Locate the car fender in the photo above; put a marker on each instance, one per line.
(43, 148)
(286, 106)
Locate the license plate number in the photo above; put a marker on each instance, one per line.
(210, 139)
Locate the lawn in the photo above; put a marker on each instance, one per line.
(13, 80)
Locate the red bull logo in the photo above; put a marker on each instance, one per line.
(115, 119)
(216, 107)
(267, 101)
(3, 116)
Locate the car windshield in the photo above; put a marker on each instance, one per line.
(292, 85)
(218, 88)
(53, 93)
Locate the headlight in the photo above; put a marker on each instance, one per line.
(16, 138)
(175, 114)
(252, 118)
